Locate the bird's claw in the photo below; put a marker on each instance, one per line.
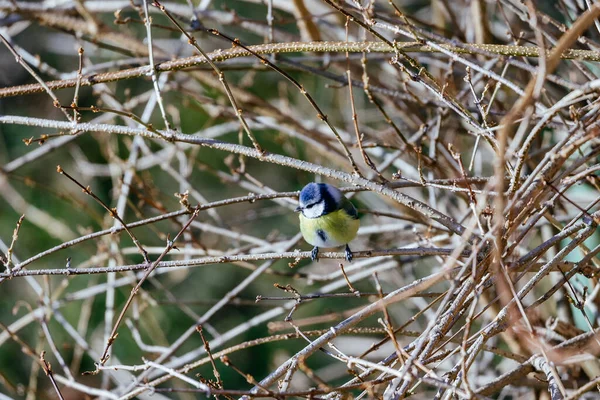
(314, 254)
(348, 254)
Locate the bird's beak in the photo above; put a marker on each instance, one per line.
(298, 209)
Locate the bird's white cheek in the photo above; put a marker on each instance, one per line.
(315, 211)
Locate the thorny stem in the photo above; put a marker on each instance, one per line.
(149, 269)
(193, 42)
(280, 48)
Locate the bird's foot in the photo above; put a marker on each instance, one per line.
(348, 254)
(314, 254)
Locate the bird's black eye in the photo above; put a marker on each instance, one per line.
(310, 205)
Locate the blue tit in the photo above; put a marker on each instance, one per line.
(327, 218)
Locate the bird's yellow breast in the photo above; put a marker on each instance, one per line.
(330, 230)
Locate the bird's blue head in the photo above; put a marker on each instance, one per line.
(318, 199)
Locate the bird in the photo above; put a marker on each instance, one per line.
(327, 218)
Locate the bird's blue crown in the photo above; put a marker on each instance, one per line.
(311, 193)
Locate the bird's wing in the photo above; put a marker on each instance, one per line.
(347, 206)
